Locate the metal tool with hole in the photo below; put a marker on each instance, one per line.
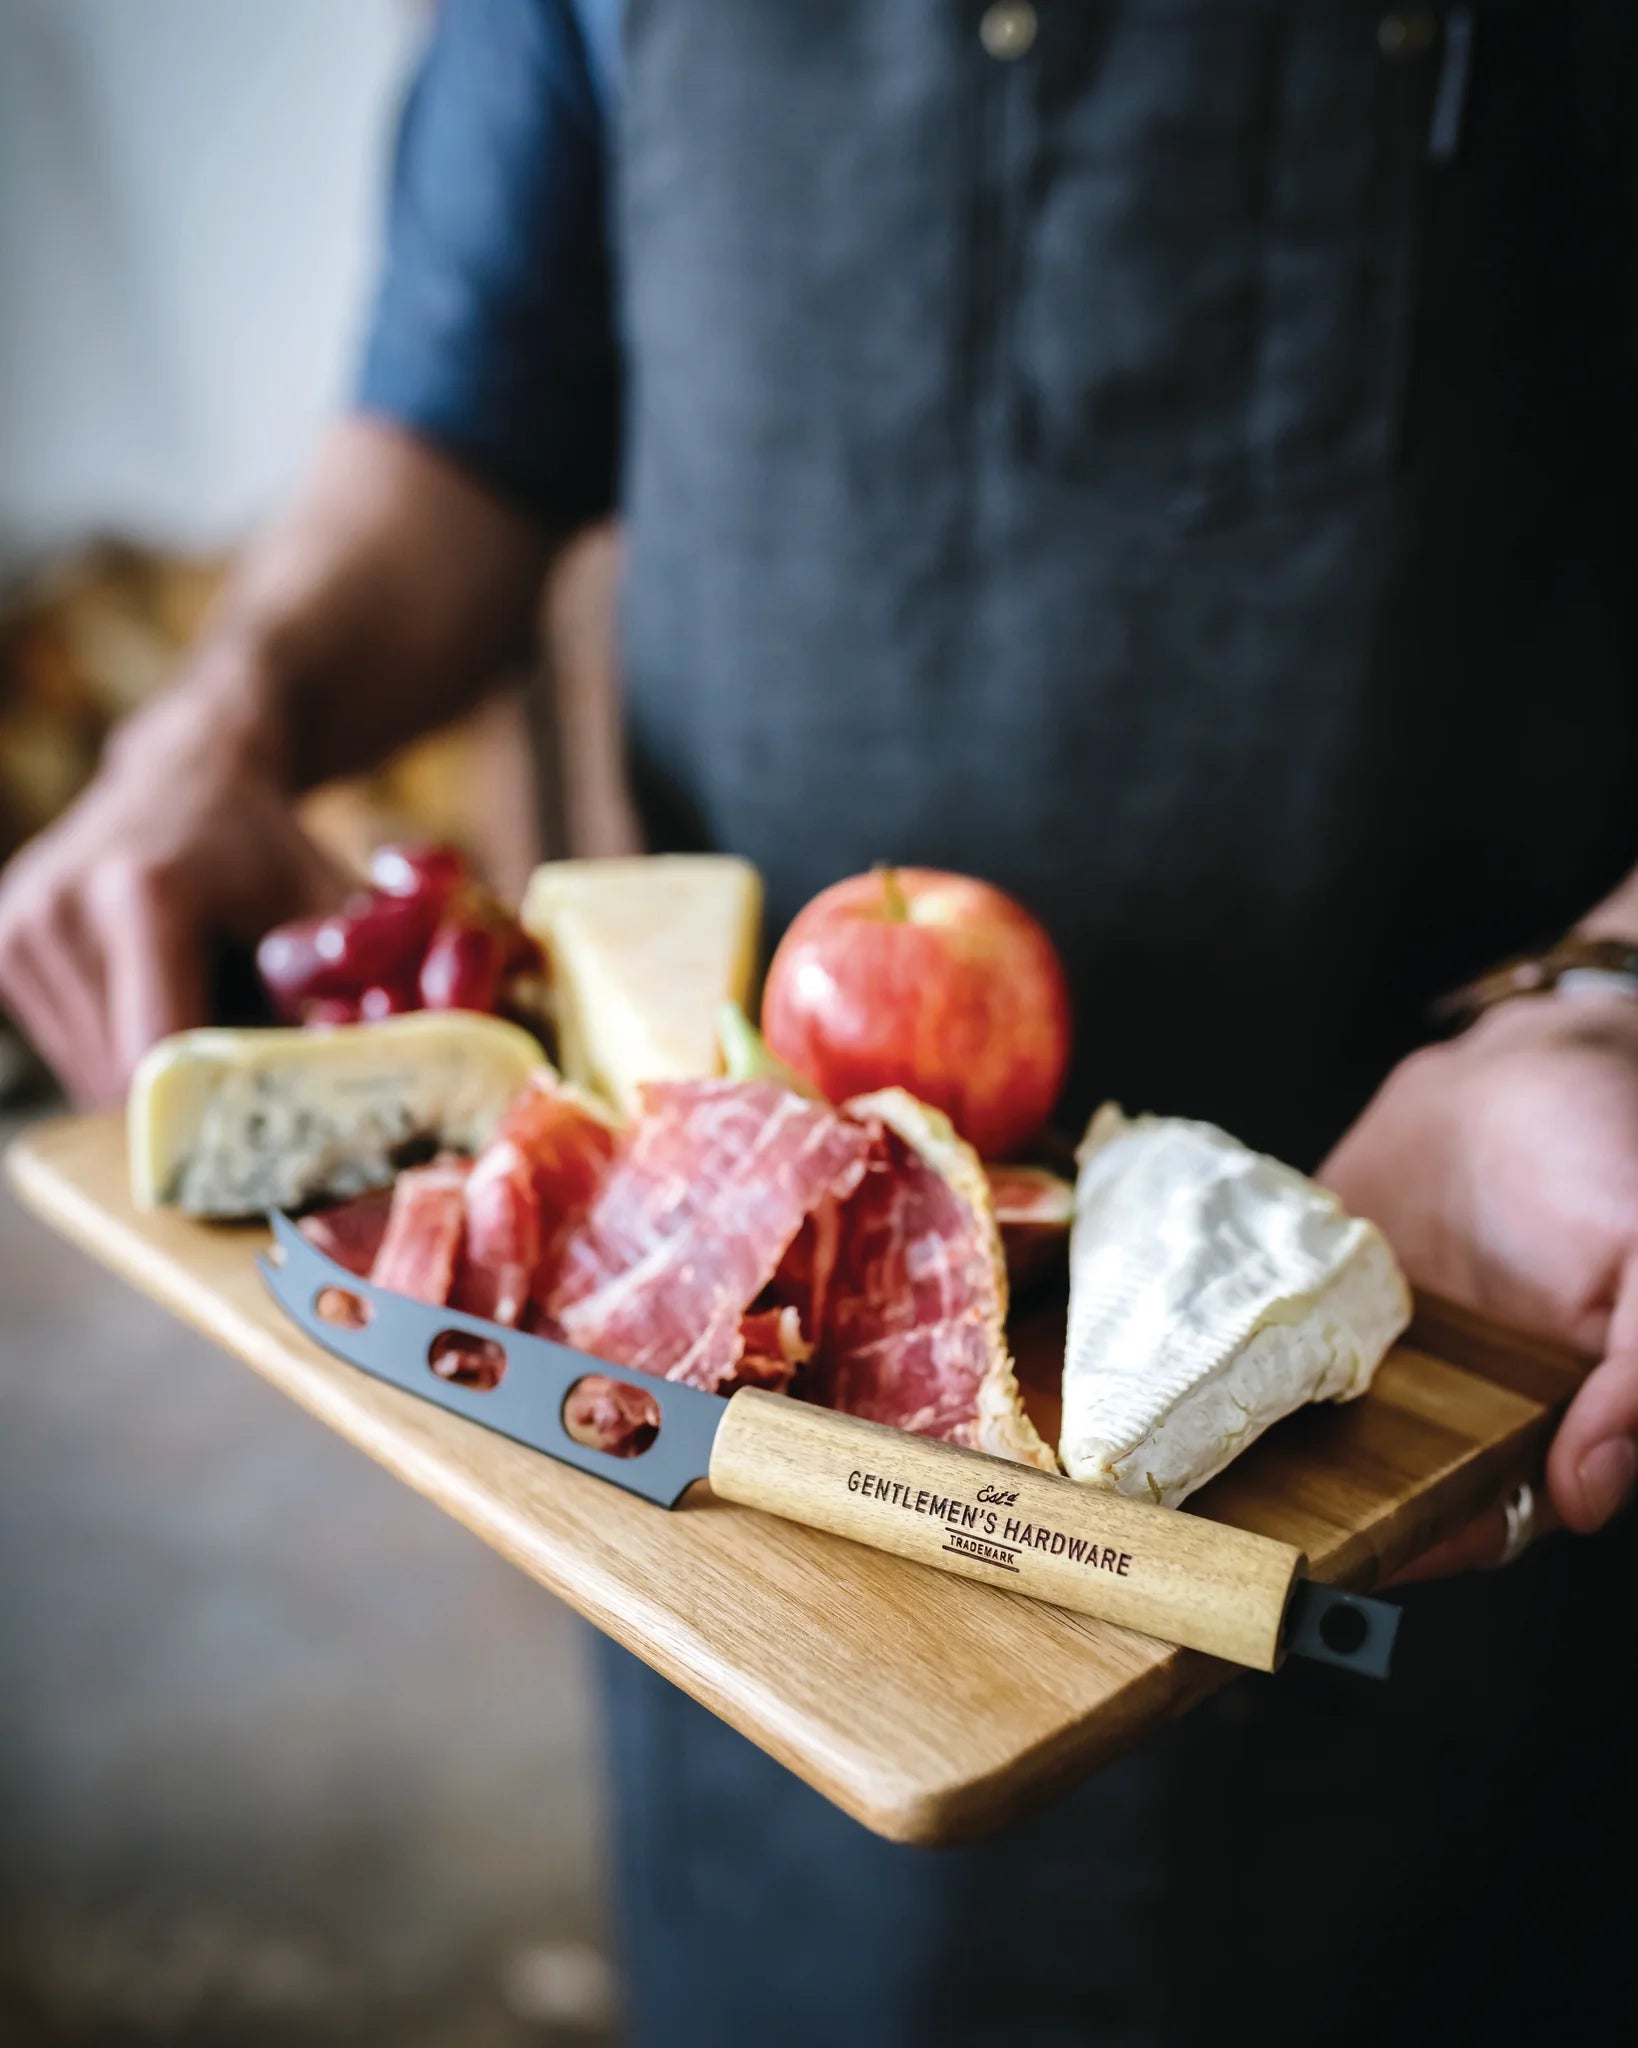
(1200, 1584)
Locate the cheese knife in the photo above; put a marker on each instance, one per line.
(1200, 1584)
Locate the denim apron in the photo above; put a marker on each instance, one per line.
(1166, 456)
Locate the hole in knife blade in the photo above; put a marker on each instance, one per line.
(1343, 1630)
(343, 1308)
(469, 1361)
(611, 1416)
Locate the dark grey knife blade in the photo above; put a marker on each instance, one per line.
(396, 1342)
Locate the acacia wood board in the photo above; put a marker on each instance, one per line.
(931, 1708)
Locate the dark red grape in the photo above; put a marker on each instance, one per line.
(435, 871)
(372, 939)
(291, 966)
(378, 1002)
(523, 954)
(463, 967)
(331, 1010)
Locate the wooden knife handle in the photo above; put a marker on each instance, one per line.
(1188, 1581)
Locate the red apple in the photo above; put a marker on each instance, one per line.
(940, 984)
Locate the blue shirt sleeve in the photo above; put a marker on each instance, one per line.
(493, 329)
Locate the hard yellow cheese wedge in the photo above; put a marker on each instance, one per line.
(231, 1123)
(642, 954)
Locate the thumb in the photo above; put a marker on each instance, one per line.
(1592, 1468)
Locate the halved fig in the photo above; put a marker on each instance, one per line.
(1034, 1208)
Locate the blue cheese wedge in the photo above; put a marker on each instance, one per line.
(1212, 1291)
(232, 1123)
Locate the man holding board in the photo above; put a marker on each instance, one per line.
(1173, 460)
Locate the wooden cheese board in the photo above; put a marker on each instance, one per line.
(930, 1708)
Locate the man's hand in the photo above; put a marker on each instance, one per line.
(106, 920)
(1504, 1168)
(381, 604)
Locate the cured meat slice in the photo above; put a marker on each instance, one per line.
(350, 1232)
(775, 1333)
(915, 1327)
(422, 1242)
(772, 1346)
(611, 1415)
(804, 1276)
(531, 1186)
(693, 1220)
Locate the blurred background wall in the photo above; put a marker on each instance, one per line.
(188, 190)
(284, 1756)
(189, 199)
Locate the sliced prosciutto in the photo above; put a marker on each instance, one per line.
(693, 1220)
(737, 1234)
(531, 1187)
(425, 1225)
(611, 1415)
(803, 1279)
(772, 1346)
(350, 1232)
(914, 1332)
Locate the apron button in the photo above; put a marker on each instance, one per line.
(1406, 32)
(1008, 29)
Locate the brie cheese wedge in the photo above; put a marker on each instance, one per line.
(1212, 1291)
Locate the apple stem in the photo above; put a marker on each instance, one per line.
(898, 910)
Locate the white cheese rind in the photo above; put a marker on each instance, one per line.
(230, 1123)
(1212, 1291)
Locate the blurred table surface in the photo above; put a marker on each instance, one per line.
(284, 1753)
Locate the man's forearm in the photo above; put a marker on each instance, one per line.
(377, 607)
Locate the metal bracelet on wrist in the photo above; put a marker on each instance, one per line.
(1577, 965)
